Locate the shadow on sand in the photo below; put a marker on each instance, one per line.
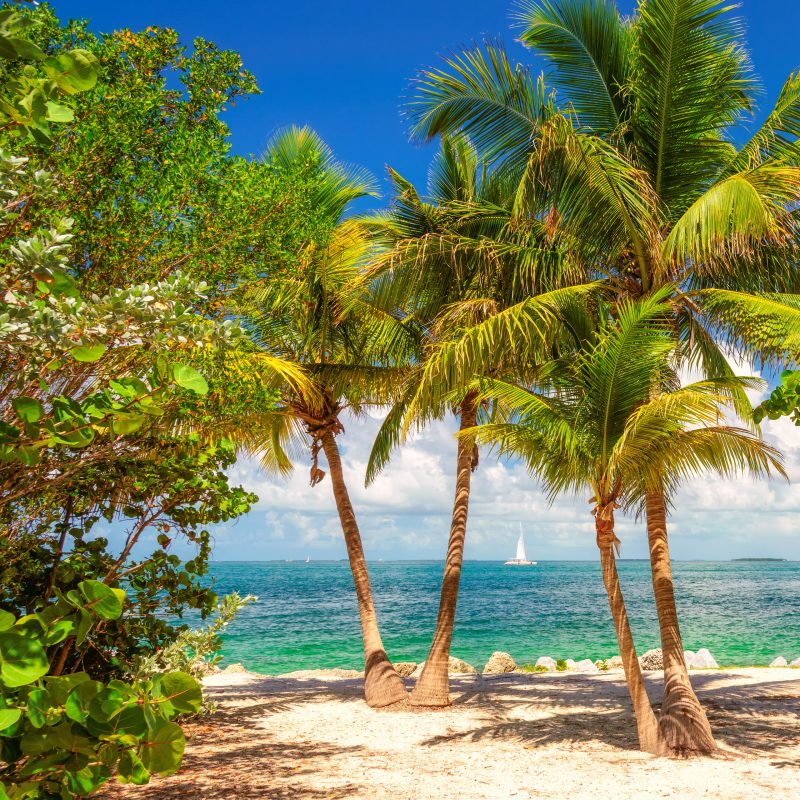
(226, 761)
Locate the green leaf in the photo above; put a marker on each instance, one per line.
(77, 704)
(23, 49)
(189, 378)
(27, 455)
(88, 780)
(22, 660)
(39, 703)
(7, 620)
(8, 717)
(83, 627)
(62, 283)
(107, 703)
(58, 113)
(88, 352)
(129, 423)
(163, 748)
(132, 770)
(104, 601)
(183, 691)
(28, 409)
(75, 71)
(59, 631)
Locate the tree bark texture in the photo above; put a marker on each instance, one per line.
(683, 721)
(382, 685)
(432, 688)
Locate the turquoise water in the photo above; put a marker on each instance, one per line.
(306, 615)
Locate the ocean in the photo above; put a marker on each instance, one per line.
(745, 613)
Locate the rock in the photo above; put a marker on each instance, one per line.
(405, 668)
(570, 663)
(795, 663)
(780, 661)
(706, 659)
(235, 668)
(499, 663)
(615, 662)
(586, 665)
(455, 666)
(652, 659)
(548, 663)
(702, 659)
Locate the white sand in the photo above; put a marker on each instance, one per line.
(507, 736)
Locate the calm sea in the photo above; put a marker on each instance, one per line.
(306, 615)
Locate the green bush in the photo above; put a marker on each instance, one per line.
(561, 665)
(65, 735)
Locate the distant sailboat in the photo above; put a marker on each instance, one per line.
(521, 560)
(308, 559)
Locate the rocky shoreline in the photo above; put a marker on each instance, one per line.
(501, 663)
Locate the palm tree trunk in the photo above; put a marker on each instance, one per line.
(649, 735)
(382, 685)
(432, 688)
(683, 721)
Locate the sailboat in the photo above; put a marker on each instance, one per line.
(521, 560)
(308, 559)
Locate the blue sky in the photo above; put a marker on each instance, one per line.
(343, 68)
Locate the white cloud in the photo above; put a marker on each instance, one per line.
(406, 512)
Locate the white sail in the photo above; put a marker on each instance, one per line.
(521, 548)
(522, 559)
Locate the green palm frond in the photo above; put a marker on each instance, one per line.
(589, 45)
(596, 194)
(765, 327)
(617, 373)
(337, 184)
(691, 81)
(516, 338)
(480, 93)
(725, 450)
(777, 138)
(735, 217)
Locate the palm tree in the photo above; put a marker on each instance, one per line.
(462, 259)
(318, 316)
(613, 419)
(646, 178)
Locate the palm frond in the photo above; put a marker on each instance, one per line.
(736, 217)
(777, 138)
(589, 45)
(480, 93)
(764, 327)
(691, 80)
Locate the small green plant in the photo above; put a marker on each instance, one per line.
(64, 736)
(561, 665)
(601, 665)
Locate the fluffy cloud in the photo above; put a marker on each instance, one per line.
(406, 512)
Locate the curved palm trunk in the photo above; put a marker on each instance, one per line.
(683, 721)
(382, 685)
(432, 688)
(649, 735)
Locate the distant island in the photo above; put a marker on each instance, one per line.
(759, 559)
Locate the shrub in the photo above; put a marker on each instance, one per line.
(66, 735)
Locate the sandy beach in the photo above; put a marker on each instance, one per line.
(309, 736)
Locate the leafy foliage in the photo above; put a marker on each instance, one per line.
(784, 400)
(37, 86)
(49, 543)
(78, 374)
(146, 172)
(613, 418)
(66, 735)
